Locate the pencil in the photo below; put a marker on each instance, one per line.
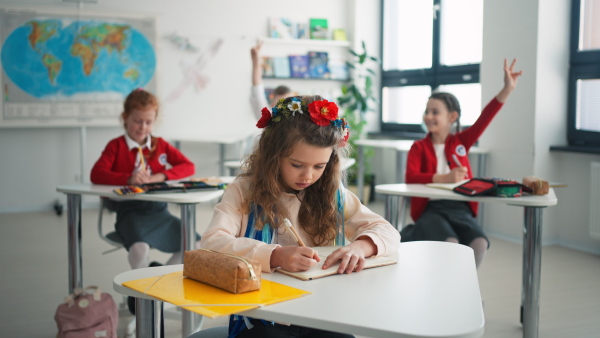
(295, 234)
(142, 162)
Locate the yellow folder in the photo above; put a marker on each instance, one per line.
(208, 300)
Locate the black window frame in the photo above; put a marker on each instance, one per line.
(435, 76)
(582, 65)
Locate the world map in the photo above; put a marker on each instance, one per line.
(58, 59)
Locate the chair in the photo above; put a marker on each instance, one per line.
(112, 237)
(213, 332)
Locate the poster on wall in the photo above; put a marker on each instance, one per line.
(70, 70)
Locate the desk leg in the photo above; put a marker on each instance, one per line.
(222, 159)
(190, 322)
(360, 180)
(532, 259)
(400, 166)
(391, 209)
(74, 241)
(147, 318)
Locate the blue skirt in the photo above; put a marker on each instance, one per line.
(149, 222)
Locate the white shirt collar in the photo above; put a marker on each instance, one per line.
(131, 144)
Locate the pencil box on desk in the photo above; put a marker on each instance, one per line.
(228, 272)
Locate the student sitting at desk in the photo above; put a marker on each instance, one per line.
(294, 174)
(442, 157)
(137, 158)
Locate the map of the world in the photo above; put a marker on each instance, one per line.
(57, 59)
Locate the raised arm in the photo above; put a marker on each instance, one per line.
(510, 81)
(256, 63)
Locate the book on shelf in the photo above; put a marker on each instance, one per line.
(299, 66)
(302, 31)
(267, 66)
(339, 35)
(324, 251)
(338, 69)
(318, 65)
(281, 66)
(281, 28)
(318, 29)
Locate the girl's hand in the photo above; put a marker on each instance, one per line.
(255, 52)
(457, 174)
(352, 256)
(510, 80)
(139, 177)
(510, 76)
(294, 258)
(160, 177)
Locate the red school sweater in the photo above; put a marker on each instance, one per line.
(422, 163)
(117, 162)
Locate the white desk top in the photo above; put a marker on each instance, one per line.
(107, 191)
(421, 190)
(404, 145)
(433, 291)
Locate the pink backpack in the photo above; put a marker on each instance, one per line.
(85, 315)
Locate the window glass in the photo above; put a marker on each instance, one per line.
(469, 98)
(587, 112)
(461, 32)
(408, 34)
(404, 104)
(590, 25)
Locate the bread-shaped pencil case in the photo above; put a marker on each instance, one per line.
(228, 272)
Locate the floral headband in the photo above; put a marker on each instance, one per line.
(323, 113)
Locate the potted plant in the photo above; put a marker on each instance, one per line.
(355, 103)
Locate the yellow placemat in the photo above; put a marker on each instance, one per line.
(208, 300)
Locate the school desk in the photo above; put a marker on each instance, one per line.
(532, 232)
(432, 291)
(402, 147)
(186, 201)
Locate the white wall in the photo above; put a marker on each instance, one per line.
(36, 160)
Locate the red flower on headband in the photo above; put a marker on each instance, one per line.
(323, 112)
(265, 118)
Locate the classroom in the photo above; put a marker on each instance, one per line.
(201, 72)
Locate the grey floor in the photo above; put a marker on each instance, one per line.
(33, 281)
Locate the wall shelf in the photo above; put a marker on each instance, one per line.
(308, 42)
(303, 79)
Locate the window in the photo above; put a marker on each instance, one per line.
(429, 45)
(583, 128)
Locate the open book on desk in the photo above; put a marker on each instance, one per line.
(324, 251)
(446, 186)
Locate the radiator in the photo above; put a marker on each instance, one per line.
(595, 200)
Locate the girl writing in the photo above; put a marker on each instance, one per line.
(442, 157)
(137, 158)
(294, 173)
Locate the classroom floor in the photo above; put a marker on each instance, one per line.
(34, 279)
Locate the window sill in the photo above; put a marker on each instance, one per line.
(576, 149)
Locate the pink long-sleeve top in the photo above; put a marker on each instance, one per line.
(226, 230)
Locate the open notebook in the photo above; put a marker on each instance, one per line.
(324, 251)
(446, 186)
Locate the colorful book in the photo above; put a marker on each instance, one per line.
(302, 31)
(318, 65)
(281, 66)
(324, 251)
(338, 69)
(281, 28)
(318, 29)
(299, 66)
(267, 67)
